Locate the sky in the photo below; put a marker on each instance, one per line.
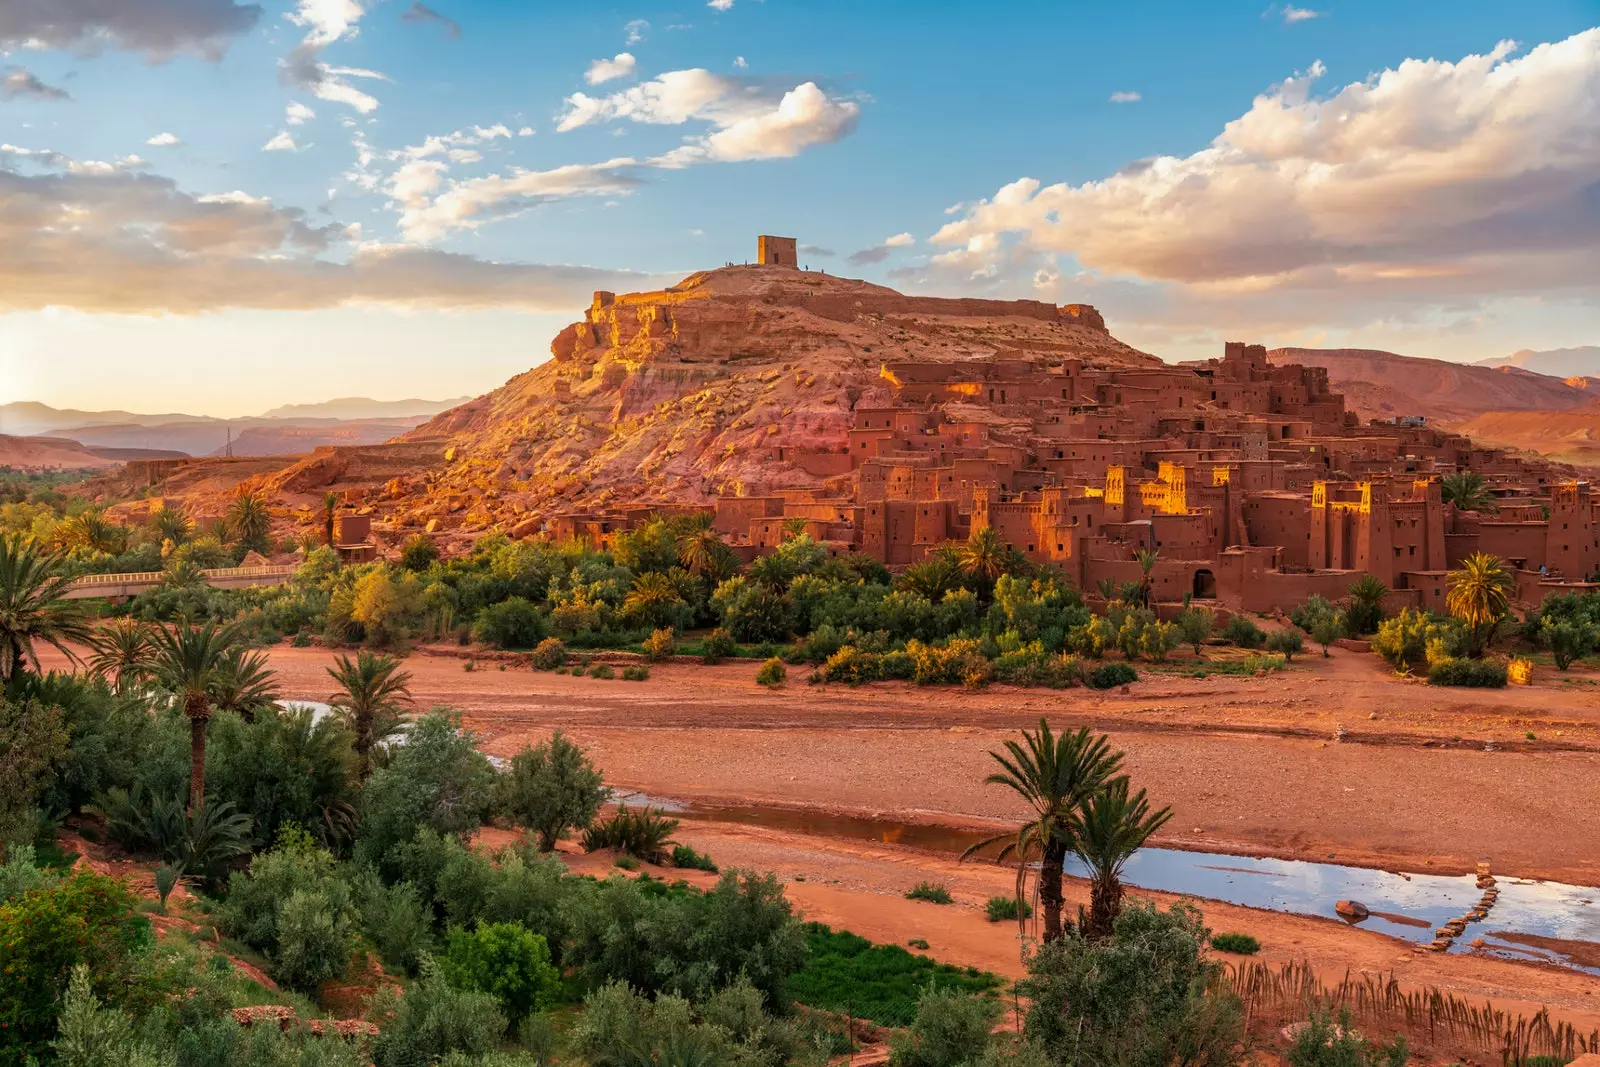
(217, 207)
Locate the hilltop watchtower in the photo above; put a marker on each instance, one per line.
(777, 252)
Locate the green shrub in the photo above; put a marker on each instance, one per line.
(1568, 640)
(1003, 908)
(1238, 944)
(845, 972)
(851, 666)
(549, 654)
(636, 672)
(1112, 675)
(1322, 1042)
(432, 1020)
(419, 553)
(506, 960)
(627, 863)
(551, 788)
(1243, 631)
(661, 644)
(687, 858)
(1195, 626)
(1471, 673)
(1286, 643)
(602, 671)
(1256, 662)
(394, 919)
(772, 673)
(293, 906)
(512, 623)
(950, 1029)
(718, 646)
(643, 833)
(933, 894)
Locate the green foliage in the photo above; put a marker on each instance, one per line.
(1031, 665)
(33, 745)
(933, 894)
(550, 789)
(636, 672)
(438, 779)
(293, 906)
(284, 767)
(512, 623)
(1007, 908)
(753, 611)
(1415, 639)
(1238, 944)
(1194, 625)
(1364, 611)
(21, 873)
(506, 960)
(1286, 643)
(643, 833)
(1112, 675)
(434, 1019)
(549, 654)
(950, 1029)
(1146, 996)
(687, 858)
(1242, 631)
(718, 646)
(45, 933)
(1468, 491)
(772, 673)
(602, 671)
(1322, 1042)
(847, 973)
(419, 553)
(1470, 673)
(394, 919)
(201, 842)
(1568, 639)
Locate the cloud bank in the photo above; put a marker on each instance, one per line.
(158, 28)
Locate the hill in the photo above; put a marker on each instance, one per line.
(49, 454)
(1580, 362)
(358, 407)
(1381, 385)
(27, 418)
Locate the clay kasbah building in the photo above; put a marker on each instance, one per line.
(1253, 483)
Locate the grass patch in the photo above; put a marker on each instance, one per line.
(1238, 944)
(1000, 909)
(933, 894)
(686, 857)
(847, 973)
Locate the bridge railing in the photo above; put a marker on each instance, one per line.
(155, 577)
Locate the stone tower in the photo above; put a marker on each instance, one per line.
(777, 251)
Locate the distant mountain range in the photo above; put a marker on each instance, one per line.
(285, 430)
(1580, 362)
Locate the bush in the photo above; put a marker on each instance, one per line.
(1321, 1042)
(550, 789)
(1195, 626)
(394, 919)
(718, 646)
(512, 623)
(933, 894)
(661, 644)
(1238, 944)
(950, 1029)
(602, 671)
(419, 553)
(1471, 673)
(1568, 640)
(687, 858)
(1112, 675)
(506, 960)
(1003, 908)
(292, 906)
(432, 1020)
(643, 833)
(1414, 639)
(1242, 631)
(851, 666)
(772, 673)
(549, 654)
(845, 972)
(637, 672)
(1287, 643)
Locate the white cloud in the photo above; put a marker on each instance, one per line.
(158, 28)
(635, 31)
(671, 99)
(17, 83)
(1292, 14)
(719, 5)
(739, 63)
(432, 208)
(1126, 97)
(327, 22)
(459, 141)
(805, 116)
(901, 240)
(622, 65)
(282, 142)
(1424, 190)
(880, 252)
(297, 114)
(526, 131)
(164, 140)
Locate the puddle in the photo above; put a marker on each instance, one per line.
(1545, 921)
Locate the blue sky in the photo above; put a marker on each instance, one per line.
(1315, 181)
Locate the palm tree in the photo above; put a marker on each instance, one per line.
(171, 524)
(1107, 830)
(793, 527)
(1054, 776)
(122, 653)
(330, 504)
(1479, 594)
(1468, 491)
(1147, 563)
(373, 692)
(249, 521)
(245, 682)
(651, 599)
(984, 556)
(1365, 610)
(89, 529)
(32, 609)
(190, 661)
(701, 552)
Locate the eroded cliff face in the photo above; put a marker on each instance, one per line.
(685, 394)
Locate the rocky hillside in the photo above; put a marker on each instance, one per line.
(1380, 385)
(680, 394)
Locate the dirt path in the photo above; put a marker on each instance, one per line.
(1248, 764)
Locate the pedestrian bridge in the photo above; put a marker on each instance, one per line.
(118, 586)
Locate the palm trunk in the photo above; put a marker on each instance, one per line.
(1051, 900)
(364, 745)
(199, 713)
(1105, 904)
